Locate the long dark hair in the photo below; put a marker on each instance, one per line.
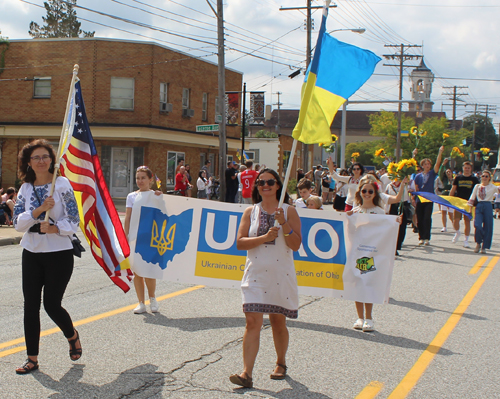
(25, 172)
(200, 175)
(357, 164)
(256, 198)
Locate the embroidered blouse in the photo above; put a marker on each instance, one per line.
(64, 214)
(483, 193)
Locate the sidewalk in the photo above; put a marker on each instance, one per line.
(9, 236)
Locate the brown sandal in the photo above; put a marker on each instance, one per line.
(25, 368)
(279, 376)
(243, 382)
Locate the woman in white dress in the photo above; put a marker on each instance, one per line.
(269, 283)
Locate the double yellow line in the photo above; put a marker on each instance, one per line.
(91, 319)
(411, 378)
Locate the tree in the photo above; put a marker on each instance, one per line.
(385, 125)
(4, 46)
(60, 21)
(265, 134)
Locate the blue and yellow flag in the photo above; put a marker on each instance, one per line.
(456, 203)
(336, 72)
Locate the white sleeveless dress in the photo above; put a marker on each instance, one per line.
(269, 283)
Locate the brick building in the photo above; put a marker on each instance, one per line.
(143, 103)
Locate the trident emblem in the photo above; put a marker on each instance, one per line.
(161, 241)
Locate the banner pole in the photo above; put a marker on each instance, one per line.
(61, 139)
(287, 175)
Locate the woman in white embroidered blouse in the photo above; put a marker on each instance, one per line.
(47, 259)
(483, 220)
(352, 181)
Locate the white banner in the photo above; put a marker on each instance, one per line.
(193, 241)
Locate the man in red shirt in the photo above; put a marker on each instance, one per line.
(181, 181)
(248, 177)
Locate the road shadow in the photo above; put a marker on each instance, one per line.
(296, 390)
(214, 323)
(427, 309)
(140, 382)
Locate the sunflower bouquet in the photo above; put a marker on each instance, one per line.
(354, 156)
(380, 153)
(445, 136)
(404, 168)
(456, 153)
(418, 134)
(329, 148)
(485, 153)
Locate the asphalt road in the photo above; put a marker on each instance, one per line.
(438, 337)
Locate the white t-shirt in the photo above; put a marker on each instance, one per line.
(385, 180)
(300, 203)
(377, 210)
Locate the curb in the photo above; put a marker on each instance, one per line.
(10, 241)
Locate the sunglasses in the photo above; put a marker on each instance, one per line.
(270, 182)
(367, 191)
(141, 167)
(485, 177)
(356, 168)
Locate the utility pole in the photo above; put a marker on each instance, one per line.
(455, 96)
(309, 7)
(243, 123)
(222, 102)
(402, 57)
(278, 104)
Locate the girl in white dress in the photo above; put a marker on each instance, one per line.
(370, 202)
(269, 283)
(144, 180)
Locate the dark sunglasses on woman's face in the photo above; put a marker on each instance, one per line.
(270, 182)
(356, 168)
(367, 191)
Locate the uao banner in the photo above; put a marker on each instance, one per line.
(193, 241)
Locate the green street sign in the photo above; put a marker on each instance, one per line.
(207, 128)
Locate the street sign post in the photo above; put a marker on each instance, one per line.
(207, 128)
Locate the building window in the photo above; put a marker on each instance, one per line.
(122, 93)
(253, 155)
(163, 96)
(185, 98)
(204, 108)
(41, 87)
(173, 159)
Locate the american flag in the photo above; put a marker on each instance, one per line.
(99, 219)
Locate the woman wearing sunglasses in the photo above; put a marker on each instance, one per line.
(368, 198)
(352, 181)
(484, 193)
(47, 259)
(269, 283)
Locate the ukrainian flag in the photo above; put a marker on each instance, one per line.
(336, 72)
(452, 202)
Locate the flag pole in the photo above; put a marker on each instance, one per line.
(61, 139)
(287, 174)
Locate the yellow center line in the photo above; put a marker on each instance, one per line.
(370, 391)
(418, 369)
(89, 320)
(480, 263)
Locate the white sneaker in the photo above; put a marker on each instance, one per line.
(444, 230)
(141, 308)
(427, 242)
(154, 305)
(368, 325)
(421, 242)
(358, 325)
(466, 244)
(477, 249)
(483, 251)
(456, 237)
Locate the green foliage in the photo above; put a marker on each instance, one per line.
(292, 186)
(485, 137)
(4, 46)
(60, 21)
(385, 125)
(261, 134)
(366, 150)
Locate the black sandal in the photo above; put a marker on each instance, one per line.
(25, 368)
(74, 351)
(279, 376)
